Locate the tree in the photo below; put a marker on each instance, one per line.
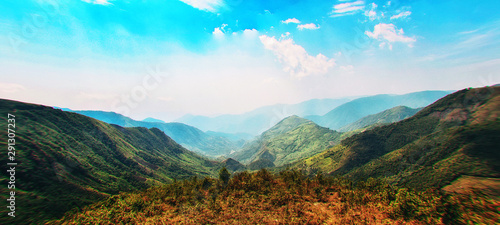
(224, 175)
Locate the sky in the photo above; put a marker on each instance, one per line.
(167, 58)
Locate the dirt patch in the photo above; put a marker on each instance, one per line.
(465, 184)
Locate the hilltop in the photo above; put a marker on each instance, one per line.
(291, 139)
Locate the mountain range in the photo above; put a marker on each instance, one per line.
(356, 109)
(259, 120)
(67, 160)
(192, 138)
(452, 138)
(439, 166)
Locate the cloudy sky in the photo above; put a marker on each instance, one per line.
(165, 58)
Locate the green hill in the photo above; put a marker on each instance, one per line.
(67, 160)
(356, 109)
(189, 137)
(233, 165)
(392, 115)
(292, 139)
(456, 136)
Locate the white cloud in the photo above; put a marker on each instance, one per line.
(285, 35)
(250, 32)
(291, 20)
(220, 30)
(348, 8)
(217, 31)
(371, 13)
(11, 87)
(98, 2)
(401, 15)
(206, 5)
(309, 26)
(295, 59)
(388, 34)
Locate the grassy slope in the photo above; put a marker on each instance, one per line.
(454, 136)
(68, 160)
(391, 115)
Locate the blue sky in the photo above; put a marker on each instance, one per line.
(171, 57)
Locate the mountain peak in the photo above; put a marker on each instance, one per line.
(285, 125)
(152, 120)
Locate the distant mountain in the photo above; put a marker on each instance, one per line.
(356, 109)
(454, 137)
(66, 160)
(257, 121)
(292, 139)
(392, 115)
(153, 120)
(190, 137)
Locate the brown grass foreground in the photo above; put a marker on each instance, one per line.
(285, 198)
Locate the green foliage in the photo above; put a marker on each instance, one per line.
(290, 140)
(289, 197)
(455, 136)
(188, 136)
(67, 160)
(224, 175)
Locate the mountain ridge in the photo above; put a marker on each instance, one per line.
(391, 115)
(68, 160)
(258, 120)
(452, 137)
(356, 109)
(188, 136)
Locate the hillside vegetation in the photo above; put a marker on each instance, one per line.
(292, 139)
(454, 137)
(66, 160)
(439, 166)
(285, 198)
